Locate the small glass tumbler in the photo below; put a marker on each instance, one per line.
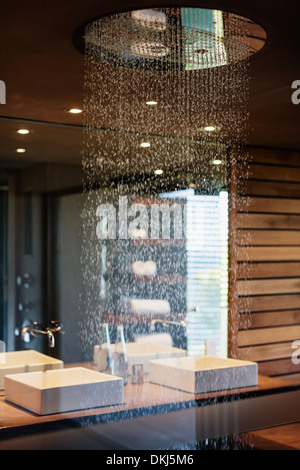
(137, 374)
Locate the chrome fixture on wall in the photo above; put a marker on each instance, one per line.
(24, 306)
(167, 323)
(30, 330)
(25, 280)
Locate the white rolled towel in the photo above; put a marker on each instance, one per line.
(138, 268)
(149, 306)
(144, 269)
(164, 339)
(150, 268)
(137, 233)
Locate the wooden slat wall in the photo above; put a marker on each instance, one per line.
(264, 258)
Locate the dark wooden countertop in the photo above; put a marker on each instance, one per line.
(142, 399)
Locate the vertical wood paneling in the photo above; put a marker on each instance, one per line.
(232, 275)
(264, 302)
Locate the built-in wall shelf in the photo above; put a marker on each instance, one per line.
(129, 319)
(172, 242)
(161, 279)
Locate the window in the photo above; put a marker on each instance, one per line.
(207, 269)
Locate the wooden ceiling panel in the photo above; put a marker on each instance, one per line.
(43, 72)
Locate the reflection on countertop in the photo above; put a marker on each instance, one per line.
(143, 399)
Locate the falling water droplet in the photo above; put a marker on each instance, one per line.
(195, 63)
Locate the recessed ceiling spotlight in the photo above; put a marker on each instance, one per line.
(74, 110)
(210, 129)
(217, 162)
(158, 172)
(151, 103)
(21, 150)
(145, 144)
(23, 131)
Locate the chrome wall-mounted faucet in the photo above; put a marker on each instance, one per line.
(32, 329)
(25, 280)
(166, 323)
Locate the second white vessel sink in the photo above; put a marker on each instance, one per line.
(203, 374)
(59, 391)
(139, 353)
(25, 361)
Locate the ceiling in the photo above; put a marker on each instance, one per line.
(44, 75)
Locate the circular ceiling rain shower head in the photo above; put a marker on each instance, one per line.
(171, 39)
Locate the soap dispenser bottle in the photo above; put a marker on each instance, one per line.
(120, 355)
(105, 360)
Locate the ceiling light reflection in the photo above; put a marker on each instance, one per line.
(74, 110)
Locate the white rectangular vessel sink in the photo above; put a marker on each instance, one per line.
(25, 361)
(139, 353)
(59, 391)
(203, 374)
